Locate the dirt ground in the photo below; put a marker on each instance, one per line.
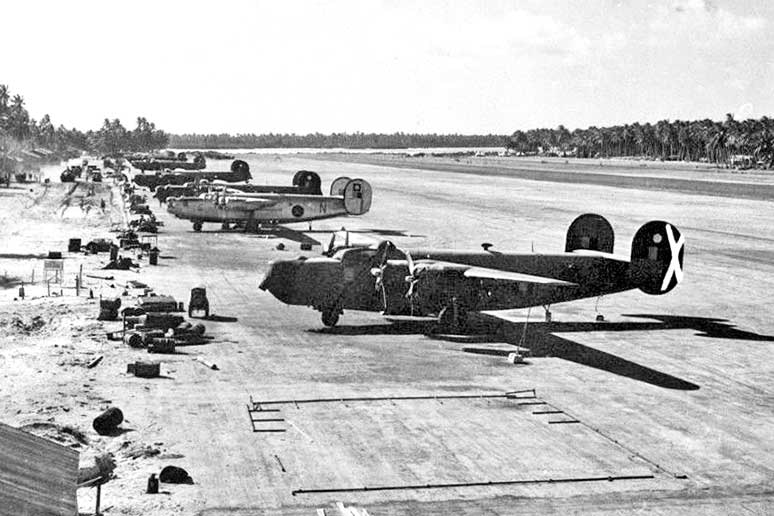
(665, 407)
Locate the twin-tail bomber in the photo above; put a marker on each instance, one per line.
(449, 284)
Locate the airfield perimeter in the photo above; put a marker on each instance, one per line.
(665, 407)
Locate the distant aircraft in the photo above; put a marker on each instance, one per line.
(304, 182)
(448, 284)
(349, 197)
(168, 160)
(240, 171)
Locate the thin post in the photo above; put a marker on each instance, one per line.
(99, 495)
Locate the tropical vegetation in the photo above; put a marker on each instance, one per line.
(698, 140)
(356, 140)
(19, 131)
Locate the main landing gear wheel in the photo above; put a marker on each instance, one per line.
(197, 226)
(330, 317)
(452, 318)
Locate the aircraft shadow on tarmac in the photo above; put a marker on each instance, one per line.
(220, 318)
(542, 340)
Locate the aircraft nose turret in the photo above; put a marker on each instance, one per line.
(314, 282)
(280, 279)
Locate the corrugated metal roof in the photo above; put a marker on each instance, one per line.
(37, 476)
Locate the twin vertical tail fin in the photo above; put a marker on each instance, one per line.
(357, 197)
(658, 249)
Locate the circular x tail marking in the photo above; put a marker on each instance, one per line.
(675, 268)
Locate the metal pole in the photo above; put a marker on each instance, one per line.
(99, 495)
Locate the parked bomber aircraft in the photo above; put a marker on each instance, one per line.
(304, 182)
(171, 161)
(349, 197)
(449, 284)
(240, 171)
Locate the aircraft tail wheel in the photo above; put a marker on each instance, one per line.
(330, 317)
(197, 226)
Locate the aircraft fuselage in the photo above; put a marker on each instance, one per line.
(264, 208)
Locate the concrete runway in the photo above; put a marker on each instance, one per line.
(666, 407)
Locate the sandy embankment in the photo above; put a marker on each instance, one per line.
(47, 342)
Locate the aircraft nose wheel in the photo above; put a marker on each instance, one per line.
(330, 317)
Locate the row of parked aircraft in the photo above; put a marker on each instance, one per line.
(441, 283)
(193, 195)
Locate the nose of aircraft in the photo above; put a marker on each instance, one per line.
(280, 279)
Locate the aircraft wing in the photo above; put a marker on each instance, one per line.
(288, 234)
(493, 274)
(250, 203)
(496, 274)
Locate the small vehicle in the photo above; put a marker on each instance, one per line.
(199, 302)
(99, 245)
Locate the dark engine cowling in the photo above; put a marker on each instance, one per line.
(590, 232)
(658, 250)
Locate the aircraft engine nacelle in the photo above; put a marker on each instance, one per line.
(657, 257)
(357, 197)
(590, 232)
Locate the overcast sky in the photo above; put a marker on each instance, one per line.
(383, 66)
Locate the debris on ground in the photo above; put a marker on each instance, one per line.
(65, 434)
(123, 264)
(108, 309)
(144, 369)
(107, 422)
(18, 325)
(210, 365)
(95, 468)
(175, 475)
(141, 451)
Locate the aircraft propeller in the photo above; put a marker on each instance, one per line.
(412, 279)
(381, 257)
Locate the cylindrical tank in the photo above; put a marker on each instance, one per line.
(133, 340)
(107, 422)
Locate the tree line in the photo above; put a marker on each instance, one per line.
(698, 140)
(18, 130)
(356, 140)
